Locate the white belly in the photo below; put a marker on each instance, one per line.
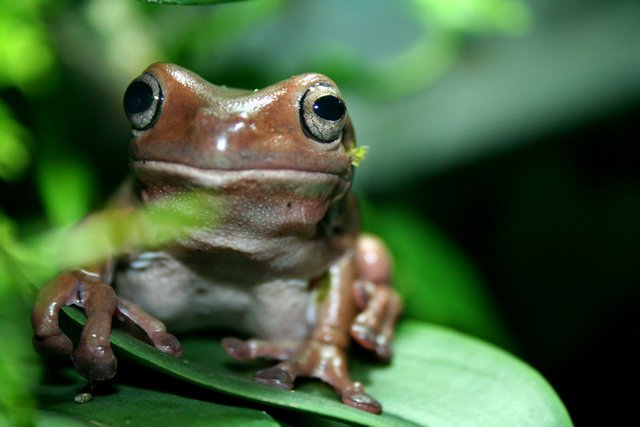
(187, 301)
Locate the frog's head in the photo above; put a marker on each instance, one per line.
(283, 150)
(298, 124)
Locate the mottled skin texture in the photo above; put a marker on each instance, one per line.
(281, 259)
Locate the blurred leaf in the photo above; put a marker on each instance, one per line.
(438, 377)
(396, 51)
(19, 367)
(106, 233)
(21, 264)
(437, 282)
(66, 187)
(414, 68)
(444, 23)
(115, 231)
(122, 39)
(14, 156)
(206, 37)
(482, 16)
(130, 405)
(25, 53)
(52, 419)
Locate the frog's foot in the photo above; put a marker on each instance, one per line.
(326, 362)
(284, 374)
(48, 338)
(93, 356)
(307, 359)
(154, 328)
(373, 327)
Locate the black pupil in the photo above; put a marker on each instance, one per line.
(329, 108)
(138, 97)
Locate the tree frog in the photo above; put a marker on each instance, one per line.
(282, 260)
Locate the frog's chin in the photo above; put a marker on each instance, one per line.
(263, 201)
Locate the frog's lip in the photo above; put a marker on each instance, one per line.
(212, 178)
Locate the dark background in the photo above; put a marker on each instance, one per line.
(553, 227)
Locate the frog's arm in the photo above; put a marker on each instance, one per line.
(90, 288)
(379, 304)
(93, 356)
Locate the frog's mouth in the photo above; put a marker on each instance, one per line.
(254, 183)
(268, 201)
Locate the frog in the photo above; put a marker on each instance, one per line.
(281, 263)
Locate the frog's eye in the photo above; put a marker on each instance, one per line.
(143, 101)
(323, 113)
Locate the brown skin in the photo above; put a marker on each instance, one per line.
(282, 259)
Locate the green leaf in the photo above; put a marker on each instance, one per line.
(443, 378)
(51, 419)
(130, 405)
(19, 365)
(475, 16)
(46, 419)
(28, 58)
(438, 377)
(14, 155)
(66, 185)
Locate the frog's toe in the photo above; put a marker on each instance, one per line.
(95, 363)
(238, 349)
(167, 343)
(154, 328)
(364, 335)
(371, 340)
(384, 350)
(278, 376)
(356, 397)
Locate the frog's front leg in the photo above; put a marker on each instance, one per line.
(93, 356)
(324, 354)
(379, 304)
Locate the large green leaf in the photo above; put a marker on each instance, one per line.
(438, 377)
